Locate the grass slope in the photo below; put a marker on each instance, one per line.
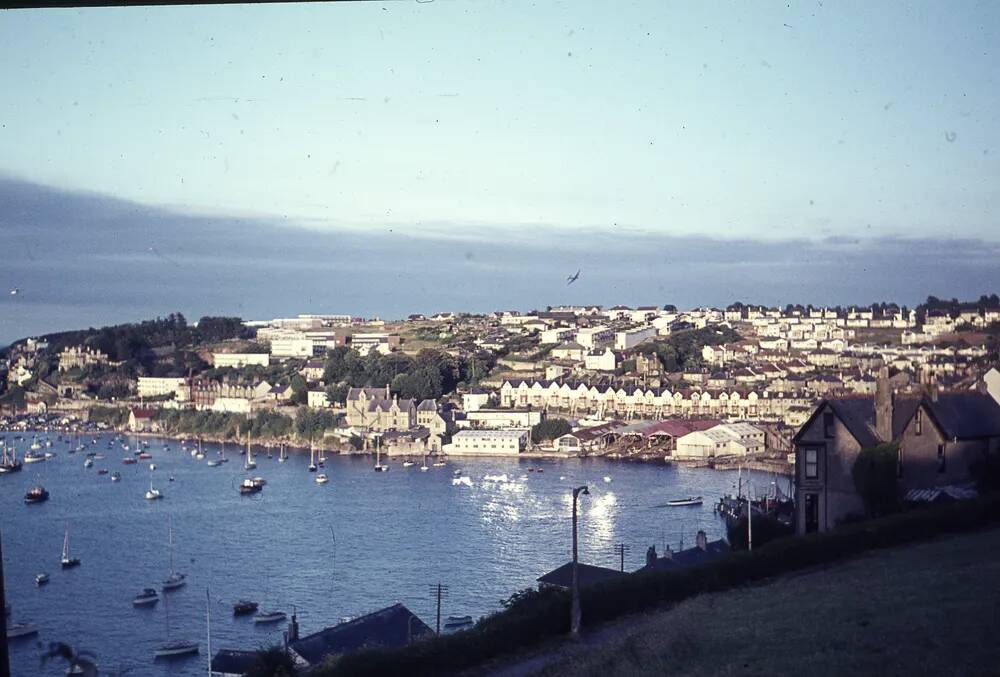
(932, 608)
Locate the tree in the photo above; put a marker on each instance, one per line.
(549, 429)
(300, 390)
(272, 662)
(875, 477)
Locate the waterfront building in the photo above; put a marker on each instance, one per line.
(142, 420)
(487, 442)
(152, 386)
(237, 360)
(376, 409)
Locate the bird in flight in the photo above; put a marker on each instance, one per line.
(573, 278)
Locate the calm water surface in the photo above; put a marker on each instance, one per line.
(361, 542)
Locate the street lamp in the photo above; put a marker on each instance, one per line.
(574, 618)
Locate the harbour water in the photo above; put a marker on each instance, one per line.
(363, 541)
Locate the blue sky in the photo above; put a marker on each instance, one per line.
(726, 119)
(388, 158)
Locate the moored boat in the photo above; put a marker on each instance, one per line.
(177, 649)
(322, 478)
(690, 500)
(67, 561)
(244, 607)
(270, 617)
(37, 494)
(147, 597)
(19, 630)
(41, 579)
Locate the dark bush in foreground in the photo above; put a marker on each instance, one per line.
(765, 529)
(535, 618)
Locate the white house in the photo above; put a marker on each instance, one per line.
(630, 338)
(317, 399)
(600, 360)
(595, 337)
(151, 386)
(487, 443)
(238, 360)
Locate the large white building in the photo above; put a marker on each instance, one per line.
(152, 386)
(487, 443)
(725, 439)
(238, 360)
(556, 335)
(595, 337)
(499, 419)
(292, 347)
(630, 338)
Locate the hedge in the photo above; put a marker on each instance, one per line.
(542, 617)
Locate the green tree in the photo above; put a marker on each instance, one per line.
(875, 477)
(549, 429)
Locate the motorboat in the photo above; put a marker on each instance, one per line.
(244, 608)
(34, 457)
(690, 500)
(102, 471)
(248, 486)
(129, 461)
(153, 494)
(408, 463)
(152, 466)
(116, 476)
(147, 597)
(322, 478)
(174, 581)
(176, 649)
(89, 463)
(19, 630)
(214, 463)
(37, 494)
(269, 617)
(41, 579)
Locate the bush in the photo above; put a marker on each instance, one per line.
(533, 618)
(985, 470)
(765, 529)
(875, 477)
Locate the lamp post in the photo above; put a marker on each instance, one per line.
(574, 618)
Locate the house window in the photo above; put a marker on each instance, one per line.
(828, 424)
(941, 459)
(812, 464)
(919, 423)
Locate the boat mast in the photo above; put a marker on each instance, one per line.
(170, 540)
(208, 628)
(65, 552)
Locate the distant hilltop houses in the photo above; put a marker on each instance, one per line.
(487, 383)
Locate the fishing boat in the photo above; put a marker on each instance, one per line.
(322, 478)
(174, 579)
(690, 500)
(19, 630)
(41, 579)
(67, 561)
(248, 486)
(244, 607)
(148, 597)
(378, 457)
(37, 494)
(269, 617)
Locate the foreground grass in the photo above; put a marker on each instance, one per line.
(921, 609)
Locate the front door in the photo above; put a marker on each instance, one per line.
(811, 513)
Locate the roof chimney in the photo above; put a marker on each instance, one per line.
(651, 556)
(701, 540)
(883, 406)
(386, 391)
(933, 387)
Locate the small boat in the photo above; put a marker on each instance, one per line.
(607, 478)
(174, 580)
(129, 461)
(152, 466)
(312, 457)
(408, 463)
(37, 494)
(322, 478)
(244, 607)
(33, 457)
(18, 630)
(147, 597)
(456, 623)
(175, 649)
(153, 494)
(248, 486)
(67, 561)
(41, 579)
(690, 500)
(439, 464)
(116, 476)
(89, 463)
(214, 463)
(145, 456)
(102, 471)
(270, 617)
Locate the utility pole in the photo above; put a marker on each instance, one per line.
(749, 520)
(440, 591)
(620, 550)
(4, 654)
(574, 613)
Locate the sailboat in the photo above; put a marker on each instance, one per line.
(249, 464)
(200, 454)
(67, 561)
(174, 648)
(378, 457)
(408, 463)
(322, 457)
(152, 493)
(282, 457)
(423, 466)
(9, 463)
(312, 457)
(174, 579)
(322, 478)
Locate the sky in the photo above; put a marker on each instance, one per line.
(524, 124)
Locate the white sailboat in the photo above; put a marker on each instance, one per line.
(378, 457)
(174, 579)
(312, 457)
(67, 561)
(281, 453)
(322, 478)
(174, 648)
(199, 455)
(153, 493)
(249, 464)
(423, 466)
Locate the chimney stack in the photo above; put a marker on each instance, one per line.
(701, 540)
(932, 387)
(883, 406)
(651, 556)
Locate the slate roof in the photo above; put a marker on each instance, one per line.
(693, 556)
(389, 627)
(427, 405)
(588, 574)
(966, 414)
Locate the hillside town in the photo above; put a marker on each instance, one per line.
(705, 385)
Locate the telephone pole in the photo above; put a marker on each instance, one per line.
(620, 550)
(439, 591)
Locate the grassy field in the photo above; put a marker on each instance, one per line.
(932, 608)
